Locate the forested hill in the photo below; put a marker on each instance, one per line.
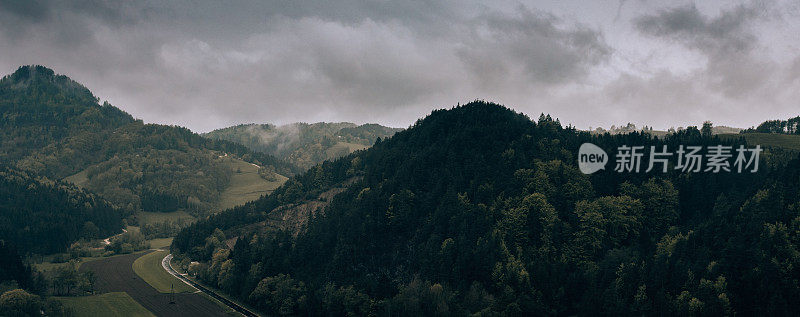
(479, 209)
(40, 108)
(302, 143)
(55, 127)
(43, 216)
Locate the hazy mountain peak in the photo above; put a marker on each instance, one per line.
(32, 72)
(46, 82)
(304, 144)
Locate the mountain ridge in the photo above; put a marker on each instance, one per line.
(56, 127)
(304, 144)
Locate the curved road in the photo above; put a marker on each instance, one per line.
(166, 263)
(115, 274)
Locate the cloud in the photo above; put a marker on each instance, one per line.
(206, 64)
(727, 41)
(33, 10)
(726, 33)
(529, 48)
(310, 65)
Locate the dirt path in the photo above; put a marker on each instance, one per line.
(116, 274)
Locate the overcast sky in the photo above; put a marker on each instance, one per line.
(211, 64)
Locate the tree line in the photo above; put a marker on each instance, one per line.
(789, 126)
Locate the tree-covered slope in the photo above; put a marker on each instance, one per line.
(39, 108)
(55, 127)
(479, 209)
(302, 143)
(42, 216)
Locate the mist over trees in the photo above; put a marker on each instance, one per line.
(304, 144)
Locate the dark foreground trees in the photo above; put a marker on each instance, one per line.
(38, 215)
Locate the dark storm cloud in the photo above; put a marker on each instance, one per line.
(300, 60)
(21, 16)
(67, 28)
(726, 33)
(34, 10)
(531, 43)
(205, 64)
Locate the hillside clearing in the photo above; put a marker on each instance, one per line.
(246, 185)
(342, 149)
(160, 243)
(146, 217)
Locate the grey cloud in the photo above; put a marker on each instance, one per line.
(362, 69)
(34, 10)
(726, 33)
(206, 64)
(532, 43)
(113, 13)
(66, 24)
(726, 40)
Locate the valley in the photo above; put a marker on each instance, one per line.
(116, 274)
(473, 209)
(399, 158)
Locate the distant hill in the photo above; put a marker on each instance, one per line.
(630, 128)
(304, 144)
(55, 127)
(725, 130)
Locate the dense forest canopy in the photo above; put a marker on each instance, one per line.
(42, 216)
(304, 144)
(55, 127)
(478, 209)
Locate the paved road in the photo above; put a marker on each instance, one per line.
(115, 274)
(166, 263)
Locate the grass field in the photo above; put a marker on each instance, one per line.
(341, 148)
(246, 185)
(769, 139)
(148, 267)
(79, 178)
(108, 304)
(161, 243)
(47, 266)
(146, 217)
